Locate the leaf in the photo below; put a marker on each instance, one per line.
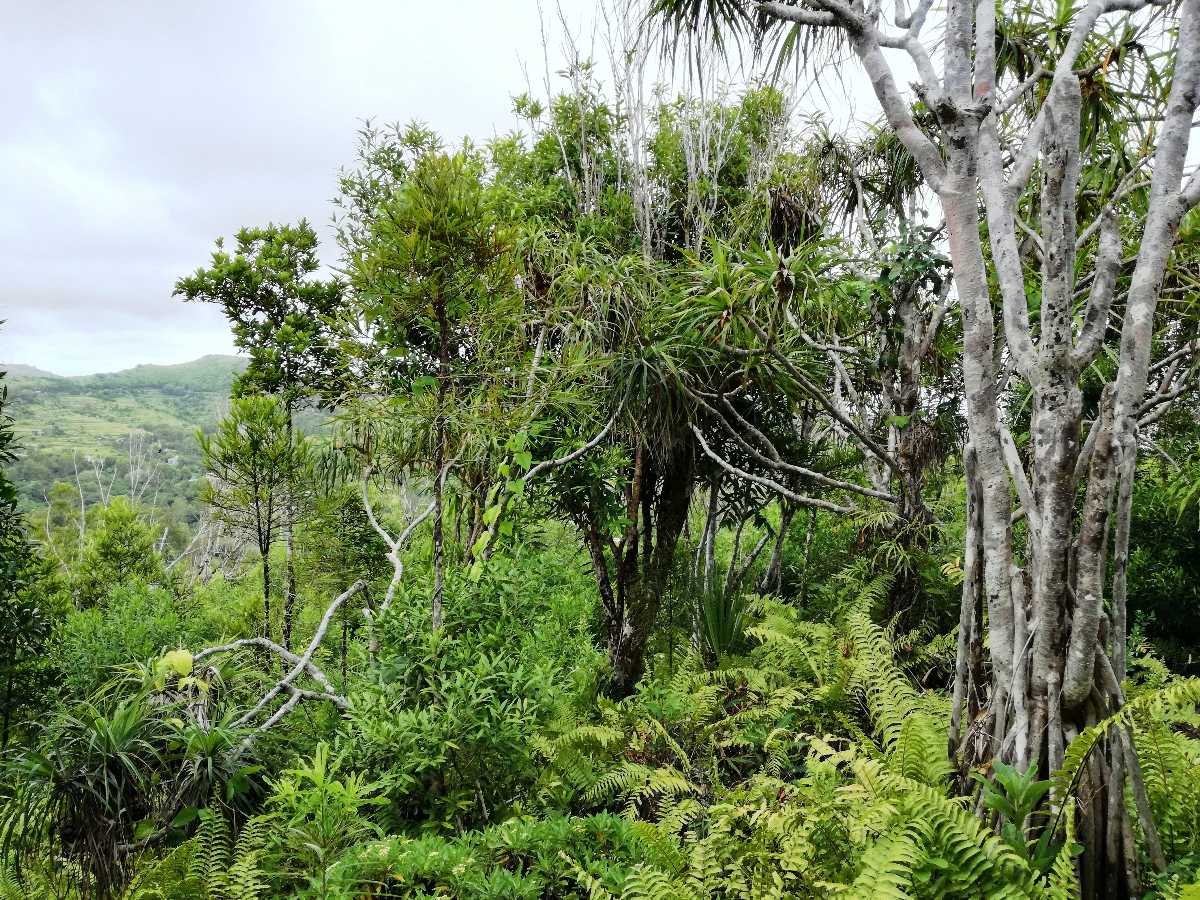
(177, 661)
(423, 385)
(481, 543)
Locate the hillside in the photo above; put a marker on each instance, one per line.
(62, 422)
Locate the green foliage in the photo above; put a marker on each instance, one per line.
(254, 462)
(1016, 797)
(280, 314)
(26, 619)
(120, 548)
(453, 712)
(536, 333)
(64, 421)
(133, 623)
(319, 813)
(224, 868)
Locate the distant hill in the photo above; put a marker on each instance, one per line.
(18, 369)
(62, 422)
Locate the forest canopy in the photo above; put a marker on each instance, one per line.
(678, 497)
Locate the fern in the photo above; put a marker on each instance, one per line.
(913, 740)
(1155, 705)
(229, 870)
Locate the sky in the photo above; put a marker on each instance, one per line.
(135, 132)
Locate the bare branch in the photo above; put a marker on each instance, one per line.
(575, 454)
(287, 656)
(777, 463)
(302, 663)
(1095, 321)
(1012, 460)
(828, 405)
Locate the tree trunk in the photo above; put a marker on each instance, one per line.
(439, 462)
(809, 531)
(640, 587)
(773, 576)
(4, 726)
(289, 581)
(265, 554)
(1048, 632)
(438, 548)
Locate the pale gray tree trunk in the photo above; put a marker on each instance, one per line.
(1056, 652)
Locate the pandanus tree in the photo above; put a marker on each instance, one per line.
(834, 309)
(616, 201)
(1015, 135)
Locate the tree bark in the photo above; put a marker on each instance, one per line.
(265, 555)
(289, 583)
(642, 583)
(439, 461)
(773, 576)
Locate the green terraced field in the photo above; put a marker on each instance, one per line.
(66, 422)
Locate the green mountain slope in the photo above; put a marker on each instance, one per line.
(84, 422)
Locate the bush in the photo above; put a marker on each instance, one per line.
(450, 716)
(131, 624)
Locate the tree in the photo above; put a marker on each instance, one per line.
(283, 317)
(617, 207)
(433, 272)
(25, 622)
(1057, 101)
(120, 547)
(256, 467)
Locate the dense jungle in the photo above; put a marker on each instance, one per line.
(681, 496)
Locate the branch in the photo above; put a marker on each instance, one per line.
(1107, 212)
(1191, 193)
(915, 22)
(817, 394)
(1014, 96)
(575, 454)
(798, 15)
(1187, 349)
(1160, 404)
(1006, 254)
(1012, 460)
(779, 465)
(548, 464)
(867, 41)
(395, 544)
(1095, 320)
(1167, 206)
(768, 483)
(1026, 158)
(290, 658)
(935, 321)
(303, 662)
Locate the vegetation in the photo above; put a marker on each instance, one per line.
(706, 504)
(71, 425)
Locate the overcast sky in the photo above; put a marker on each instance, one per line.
(136, 131)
